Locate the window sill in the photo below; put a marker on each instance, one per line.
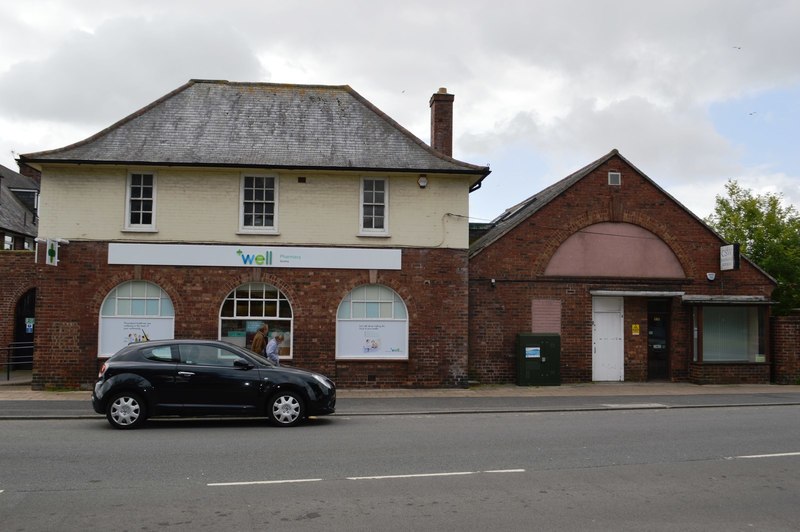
(374, 235)
(243, 232)
(370, 359)
(140, 230)
(730, 363)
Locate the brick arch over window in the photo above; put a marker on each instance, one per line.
(372, 323)
(251, 304)
(134, 311)
(611, 249)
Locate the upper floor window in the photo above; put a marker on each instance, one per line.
(374, 206)
(258, 212)
(141, 202)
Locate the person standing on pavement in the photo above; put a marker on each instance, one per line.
(272, 349)
(259, 344)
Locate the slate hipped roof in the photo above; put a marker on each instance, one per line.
(15, 216)
(222, 123)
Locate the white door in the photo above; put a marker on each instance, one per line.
(608, 349)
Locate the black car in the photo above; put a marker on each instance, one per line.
(205, 377)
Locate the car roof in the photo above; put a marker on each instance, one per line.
(180, 341)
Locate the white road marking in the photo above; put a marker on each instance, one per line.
(417, 475)
(776, 455)
(380, 477)
(634, 405)
(252, 483)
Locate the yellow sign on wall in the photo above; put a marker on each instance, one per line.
(635, 329)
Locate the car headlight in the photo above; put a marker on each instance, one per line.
(322, 380)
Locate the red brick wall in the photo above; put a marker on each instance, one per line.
(431, 282)
(786, 349)
(517, 262)
(729, 373)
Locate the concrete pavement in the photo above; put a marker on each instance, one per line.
(18, 401)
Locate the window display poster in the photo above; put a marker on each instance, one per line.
(116, 333)
(242, 331)
(372, 339)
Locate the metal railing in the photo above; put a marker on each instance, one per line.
(17, 356)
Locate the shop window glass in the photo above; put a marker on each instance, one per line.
(372, 322)
(733, 334)
(134, 311)
(250, 305)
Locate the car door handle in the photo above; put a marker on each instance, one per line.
(185, 373)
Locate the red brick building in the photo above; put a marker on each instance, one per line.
(637, 287)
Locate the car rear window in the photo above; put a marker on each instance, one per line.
(158, 354)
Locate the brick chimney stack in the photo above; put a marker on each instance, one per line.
(442, 122)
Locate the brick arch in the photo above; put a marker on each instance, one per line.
(663, 231)
(105, 286)
(659, 229)
(9, 308)
(559, 236)
(236, 281)
(402, 291)
(9, 304)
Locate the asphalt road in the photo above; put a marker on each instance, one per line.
(734, 468)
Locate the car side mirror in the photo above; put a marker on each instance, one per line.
(242, 363)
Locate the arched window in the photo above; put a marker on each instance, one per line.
(250, 305)
(135, 311)
(372, 322)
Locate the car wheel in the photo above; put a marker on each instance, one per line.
(126, 411)
(286, 409)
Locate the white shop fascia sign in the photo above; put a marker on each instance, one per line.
(254, 256)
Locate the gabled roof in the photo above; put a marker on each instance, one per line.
(517, 214)
(522, 211)
(222, 123)
(15, 217)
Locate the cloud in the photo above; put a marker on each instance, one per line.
(542, 88)
(123, 65)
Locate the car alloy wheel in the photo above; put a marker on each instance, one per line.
(286, 409)
(125, 411)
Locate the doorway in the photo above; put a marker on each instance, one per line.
(658, 340)
(24, 320)
(608, 349)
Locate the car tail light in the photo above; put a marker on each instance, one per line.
(102, 370)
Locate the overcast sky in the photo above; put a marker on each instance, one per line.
(693, 93)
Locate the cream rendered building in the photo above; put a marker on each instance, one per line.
(224, 205)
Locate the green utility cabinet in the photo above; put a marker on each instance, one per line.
(538, 359)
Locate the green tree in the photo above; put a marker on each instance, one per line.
(768, 233)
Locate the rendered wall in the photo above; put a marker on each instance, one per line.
(202, 205)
